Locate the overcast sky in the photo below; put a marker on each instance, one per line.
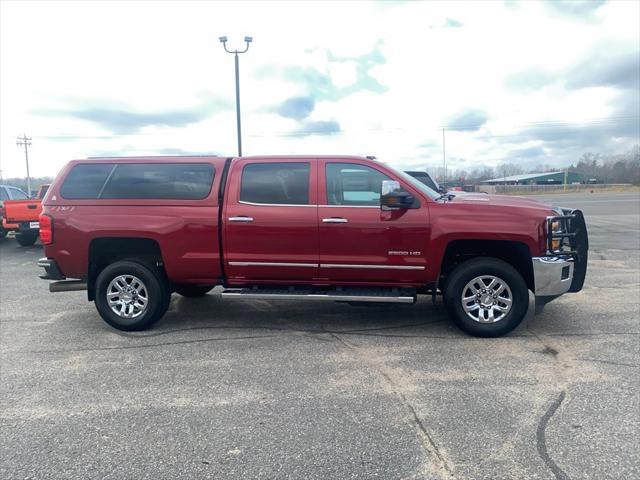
(521, 82)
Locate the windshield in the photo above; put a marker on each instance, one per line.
(415, 183)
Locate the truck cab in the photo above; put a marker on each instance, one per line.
(131, 231)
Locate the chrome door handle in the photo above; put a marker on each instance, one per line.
(335, 220)
(241, 219)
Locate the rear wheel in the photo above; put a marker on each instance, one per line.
(26, 239)
(3, 232)
(191, 291)
(131, 296)
(486, 297)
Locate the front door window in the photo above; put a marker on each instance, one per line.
(351, 184)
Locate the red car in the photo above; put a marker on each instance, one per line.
(133, 230)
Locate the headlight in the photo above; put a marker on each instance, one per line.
(555, 228)
(563, 227)
(558, 226)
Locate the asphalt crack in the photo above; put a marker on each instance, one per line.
(541, 441)
(438, 460)
(608, 362)
(147, 345)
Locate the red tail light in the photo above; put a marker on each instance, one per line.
(46, 229)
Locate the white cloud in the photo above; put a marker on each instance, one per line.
(343, 74)
(154, 57)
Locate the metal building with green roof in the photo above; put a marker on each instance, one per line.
(547, 178)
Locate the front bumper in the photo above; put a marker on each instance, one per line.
(565, 267)
(552, 275)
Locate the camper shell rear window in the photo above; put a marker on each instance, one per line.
(170, 181)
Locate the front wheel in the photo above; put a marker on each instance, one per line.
(131, 296)
(486, 297)
(26, 239)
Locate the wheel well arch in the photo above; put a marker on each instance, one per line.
(515, 253)
(106, 250)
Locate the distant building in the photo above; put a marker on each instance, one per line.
(548, 178)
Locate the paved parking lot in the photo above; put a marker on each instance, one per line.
(257, 389)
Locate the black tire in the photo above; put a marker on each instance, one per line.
(192, 291)
(157, 294)
(477, 267)
(27, 239)
(3, 232)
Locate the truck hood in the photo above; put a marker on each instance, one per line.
(502, 201)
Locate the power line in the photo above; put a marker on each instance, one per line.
(25, 142)
(549, 123)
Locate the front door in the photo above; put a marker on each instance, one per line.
(358, 241)
(271, 221)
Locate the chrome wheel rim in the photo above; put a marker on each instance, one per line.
(487, 299)
(127, 296)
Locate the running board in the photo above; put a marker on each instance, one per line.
(67, 286)
(344, 294)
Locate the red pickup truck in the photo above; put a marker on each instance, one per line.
(7, 193)
(133, 230)
(24, 214)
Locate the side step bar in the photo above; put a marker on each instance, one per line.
(67, 286)
(387, 295)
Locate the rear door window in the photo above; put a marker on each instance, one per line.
(283, 183)
(179, 181)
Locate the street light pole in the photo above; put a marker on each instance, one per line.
(444, 162)
(247, 40)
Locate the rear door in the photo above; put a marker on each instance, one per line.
(270, 221)
(359, 242)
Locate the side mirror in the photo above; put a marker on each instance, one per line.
(393, 197)
(441, 189)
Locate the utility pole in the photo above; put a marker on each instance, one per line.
(444, 163)
(25, 142)
(247, 40)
